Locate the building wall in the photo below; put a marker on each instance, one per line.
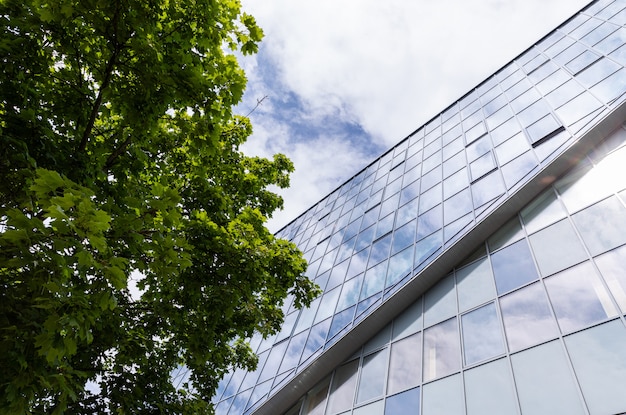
(532, 322)
(386, 228)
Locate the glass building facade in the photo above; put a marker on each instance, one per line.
(479, 266)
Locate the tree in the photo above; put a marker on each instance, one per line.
(119, 155)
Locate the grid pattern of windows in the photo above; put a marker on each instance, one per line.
(515, 330)
(381, 228)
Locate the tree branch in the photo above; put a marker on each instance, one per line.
(108, 71)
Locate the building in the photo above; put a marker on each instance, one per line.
(479, 266)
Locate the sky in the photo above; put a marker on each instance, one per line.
(342, 81)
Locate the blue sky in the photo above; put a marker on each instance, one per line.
(347, 79)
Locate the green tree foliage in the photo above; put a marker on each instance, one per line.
(119, 155)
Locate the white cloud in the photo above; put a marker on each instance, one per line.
(385, 66)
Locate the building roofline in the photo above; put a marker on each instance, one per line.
(439, 114)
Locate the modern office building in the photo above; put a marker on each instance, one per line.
(479, 266)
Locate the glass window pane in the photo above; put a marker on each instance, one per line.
(350, 293)
(430, 198)
(372, 381)
(544, 381)
(374, 280)
(513, 267)
(576, 289)
(399, 266)
(429, 222)
(440, 302)
(455, 183)
(403, 237)
(292, 355)
(482, 165)
(482, 335)
(444, 397)
(405, 369)
(341, 395)
(527, 317)
(512, 148)
(508, 233)
(316, 399)
(487, 189)
(379, 340)
(442, 354)
(542, 211)
(561, 236)
(603, 225)
(316, 340)
(489, 389)
(475, 284)
(409, 322)
(375, 408)
(457, 206)
(404, 403)
(273, 361)
(600, 364)
(611, 266)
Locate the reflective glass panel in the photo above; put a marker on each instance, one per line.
(404, 403)
(341, 395)
(440, 301)
(316, 339)
(409, 322)
(429, 222)
(569, 252)
(482, 165)
(513, 266)
(442, 353)
(431, 198)
(455, 183)
(600, 364)
(487, 189)
(374, 280)
(527, 317)
(379, 340)
(375, 408)
(475, 284)
(508, 233)
(482, 335)
(405, 369)
(542, 211)
(372, 381)
(444, 397)
(603, 225)
(427, 247)
(579, 288)
(400, 266)
(489, 389)
(292, 355)
(544, 381)
(350, 293)
(403, 237)
(316, 399)
(273, 361)
(457, 206)
(515, 170)
(611, 265)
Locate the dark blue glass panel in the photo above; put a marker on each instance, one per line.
(404, 403)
